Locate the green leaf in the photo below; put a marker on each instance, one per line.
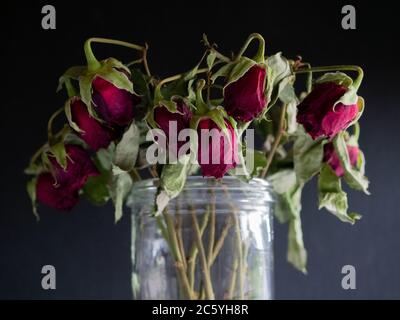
(291, 114)
(279, 81)
(349, 98)
(68, 114)
(354, 178)
(72, 73)
(127, 149)
(260, 161)
(222, 72)
(104, 158)
(211, 59)
(239, 69)
(96, 190)
(297, 254)
(31, 189)
(59, 152)
(332, 197)
(285, 185)
(172, 181)
(307, 155)
(338, 77)
(121, 184)
(279, 67)
(288, 208)
(117, 78)
(85, 85)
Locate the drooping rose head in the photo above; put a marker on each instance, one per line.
(95, 134)
(114, 105)
(180, 119)
(55, 196)
(245, 98)
(331, 158)
(59, 189)
(217, 153)
(320, 116)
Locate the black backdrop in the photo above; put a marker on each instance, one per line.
(90, 253)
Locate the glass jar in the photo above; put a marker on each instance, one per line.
(214, 241)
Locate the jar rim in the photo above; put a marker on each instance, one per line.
(199, 182)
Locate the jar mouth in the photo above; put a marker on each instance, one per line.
(199, 182)
(247, 196)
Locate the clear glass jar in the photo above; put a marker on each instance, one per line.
(214, 241)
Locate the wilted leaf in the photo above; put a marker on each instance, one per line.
(127, 149)
(119, 188)
(307, 155)
(354, 178)
(297, 254)
(31, 189)
(332, 197)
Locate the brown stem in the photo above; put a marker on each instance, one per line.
(220, 242)
(239, 249)
(232, 282)
(240, 255)
(177, 256)
(180, 238)
(192, 257)
(275, 145)
(203, 260)
(144, 57)
(211, 231)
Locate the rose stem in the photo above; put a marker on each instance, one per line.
(221, 240)
(358, 69)
(194, 251)
(211, 48)
(178, 258)
(211, 231)
(144, 57)
(50, 122)
(238, 242)
(157, 90)
(94, 64)
(203, 260)
(179, 236)
(259, 57)
(275, 145)
(232, 282)
(170, 236)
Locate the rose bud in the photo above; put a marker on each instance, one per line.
(55, 196)
(163, 118)
(227, 149)
(59, 189)
(91, 131)
(244, 99)
(114, 105)
(321, 115)
(331, 158)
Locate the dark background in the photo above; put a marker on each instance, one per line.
(90, 253)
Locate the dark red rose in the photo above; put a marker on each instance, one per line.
(95, 134)
(228, 150)
(244, 99)
(55, 196)
(331, 157)
(59, 189)
(319, 115)
(114, 105)
(163, 118)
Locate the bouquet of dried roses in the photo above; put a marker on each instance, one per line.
(124, 123)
